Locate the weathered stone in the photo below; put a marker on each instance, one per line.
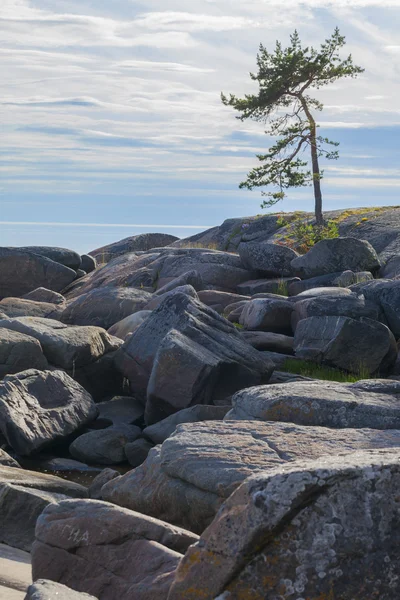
(264, 340)
(142, 242)
(42, 294)
(40, 407)
(102, 478)
(353, 306)
(104, 307)
(192, 278)
(19, 352)
(159, 432)
(106, 446)
(62, 465)
(19, 510)
(157, 299)
(338, 254)
(272, 259)
(127, 326)
(214, 297)
(20, 307)
(186, 354)
(318, 292)
(7, 461)
(63, 256)
(348, 278)
(106, 551)
(136, 452)
(315, 529)
(369, 403)
(64, 346)
(259, 286)
(322, 281)
(186, 480)
(22, 478)
(89, 263)
(44, 589)
(356, 346)
(21, 272)
(100, 378)
(385, 293)
(265, 314)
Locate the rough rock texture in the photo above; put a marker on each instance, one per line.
(65, 346)
(157, 299)
(40, 407)
(353, 305)
(186, 480)
(322, 281)
(190, 278)
(263, 340)
(42, 294)
(105, 306)
(122, 329)
(315, 529)
(369, 403)
(19, 510)
(386, 294)
(7, 461)
(214, 297)
(271, 259)
(356, 346)
(145, 241)
(64, 256)
(21, 272)
(186, 354)
(107, 551)
(44, 589)
(101, 479)
(100, 378)
(104, 447)
(19, 352)
(339, 254)
(159, 432)
(21, 307)
(266, 314)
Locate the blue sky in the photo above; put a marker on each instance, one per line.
(112, 125)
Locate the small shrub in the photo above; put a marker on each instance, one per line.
(282, 288)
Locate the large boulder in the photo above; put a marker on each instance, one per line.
(104, 306)
(358, 346)
(157, 298)
(19, 352)
(31, 480)
(271, 259)
(186, 354)
(264, 340)
(63, 256)
(189, 278)
(104, 447)
(21, 272)
(385, 293)
(266, 314)
(42, 294)
(314, 529)
(338, 254)
(106, 551)
(7, 461)
(44, 589)
(21, 307)
(65, 346)
(353, 305)
(135, 243)
(186, 480)
(120, 410)
(89, 263)
(19, 509)
(37, 408)
(369, 403)
(260, 286)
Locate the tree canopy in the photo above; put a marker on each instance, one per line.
(285, 78)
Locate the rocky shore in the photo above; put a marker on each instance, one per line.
(159, 438)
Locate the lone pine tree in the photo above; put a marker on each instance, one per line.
(285, 78)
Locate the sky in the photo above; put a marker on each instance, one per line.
(112, 125)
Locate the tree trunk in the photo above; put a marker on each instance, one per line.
(315, 164)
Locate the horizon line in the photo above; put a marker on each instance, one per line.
(119, 225)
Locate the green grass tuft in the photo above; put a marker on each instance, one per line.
(317, 371)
